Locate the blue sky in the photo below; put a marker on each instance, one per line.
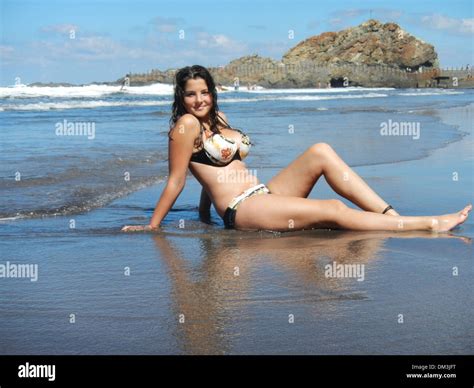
(85, 41)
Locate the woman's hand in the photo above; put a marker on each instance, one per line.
(139, 228)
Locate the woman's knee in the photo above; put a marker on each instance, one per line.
(321, 148)
(337, 208)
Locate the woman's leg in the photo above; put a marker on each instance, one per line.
(282, 213)
(302, 174)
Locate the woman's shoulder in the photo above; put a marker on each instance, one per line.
(187, 123)
(188, 120)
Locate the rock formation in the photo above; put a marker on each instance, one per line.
(371, 43)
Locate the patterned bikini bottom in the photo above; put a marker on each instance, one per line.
(230, 212)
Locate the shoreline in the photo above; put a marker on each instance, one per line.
(458, 137)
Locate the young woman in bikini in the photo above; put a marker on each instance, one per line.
(201, 139)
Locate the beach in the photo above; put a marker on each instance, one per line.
(194, 288)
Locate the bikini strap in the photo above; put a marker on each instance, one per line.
(225, 122)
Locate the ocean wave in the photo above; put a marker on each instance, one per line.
(431, 93)
(45, 106)
(78, 185)
(17, 217)
(314, 90)
(304, 98)
(157, 89)
(81, 200)
(316, 98)
(93, 90)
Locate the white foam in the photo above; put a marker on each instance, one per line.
(243, 100)
(83, 91)
(304, 98)
(310, 98)
(157, 89)
(42, 106)
(74, 104)
(154, 89)
(11, 218)
(438, 92)
(313, 90)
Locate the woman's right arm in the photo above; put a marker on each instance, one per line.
(180, 149)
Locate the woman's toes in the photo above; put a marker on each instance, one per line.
(466, 210)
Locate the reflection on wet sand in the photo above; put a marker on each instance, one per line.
(237, 270)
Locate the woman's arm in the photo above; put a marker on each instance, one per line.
(180, 149)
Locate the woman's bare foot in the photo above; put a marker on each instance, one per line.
(450, 221)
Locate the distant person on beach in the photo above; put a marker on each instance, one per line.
(201, 140)
(236, 83)
(125, 82)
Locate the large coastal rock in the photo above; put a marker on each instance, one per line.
(371, 43)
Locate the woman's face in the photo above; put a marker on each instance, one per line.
(197, 98)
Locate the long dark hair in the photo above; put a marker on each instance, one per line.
(182, 76)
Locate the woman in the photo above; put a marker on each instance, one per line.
(201, 139)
